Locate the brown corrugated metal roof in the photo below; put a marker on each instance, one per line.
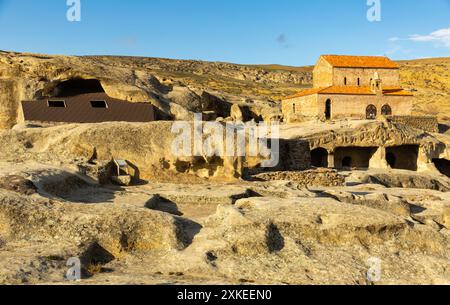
(79, 110)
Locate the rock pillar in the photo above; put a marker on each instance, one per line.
(331, 160)
(378, 160)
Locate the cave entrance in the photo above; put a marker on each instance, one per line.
(403, 157)
(319, 157)
(77, 86)
(443, 165)
(391, 159)
(354, 157)
(347, 162)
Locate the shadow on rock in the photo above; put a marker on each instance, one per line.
(93, 259)
(158, 203)
(187, 230)
(274, 239)
(72, 188)
(18, 184)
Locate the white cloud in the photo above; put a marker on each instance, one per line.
(397, 50)
(440, 37)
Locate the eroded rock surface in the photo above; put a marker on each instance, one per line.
(269, 232)
(195, 220)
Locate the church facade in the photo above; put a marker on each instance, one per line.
(350, 87)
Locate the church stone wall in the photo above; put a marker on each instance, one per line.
(390, 77)
(305, 107)
(322, 74)
(354, 106)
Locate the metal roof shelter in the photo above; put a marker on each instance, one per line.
(87, 108)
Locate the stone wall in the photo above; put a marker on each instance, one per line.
(305, 107)
(345, 107)
(322, 74)
(295, 154)
(426, 123)
(354, 106)
(390, 77)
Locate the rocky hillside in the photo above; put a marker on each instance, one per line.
(180, 87)
(176, 88)
(431, 79)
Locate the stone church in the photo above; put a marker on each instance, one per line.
(352, 87)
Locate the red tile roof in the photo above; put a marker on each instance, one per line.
(396, 91)
(353, 90)
(350, 90)
(346, 61)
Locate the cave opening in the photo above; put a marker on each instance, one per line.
(347, 162)
(391, 160)
(403, 157)
(78, 86)
(443, 165)
(353, 157)
(319, 157)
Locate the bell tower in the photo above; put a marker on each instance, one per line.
(376, 84)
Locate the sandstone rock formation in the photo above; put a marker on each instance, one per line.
(147, 147)
(274, 233)
(176, 88)
(379, 136)
(197, 220)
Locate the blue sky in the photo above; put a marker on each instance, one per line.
(290, 32)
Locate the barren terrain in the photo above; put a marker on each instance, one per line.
(222, 220)
(315, 227)
(180, 87)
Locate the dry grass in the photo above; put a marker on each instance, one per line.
(284, 68)
(234, 86)
(431, 79)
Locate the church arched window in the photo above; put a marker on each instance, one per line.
(386, 110)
